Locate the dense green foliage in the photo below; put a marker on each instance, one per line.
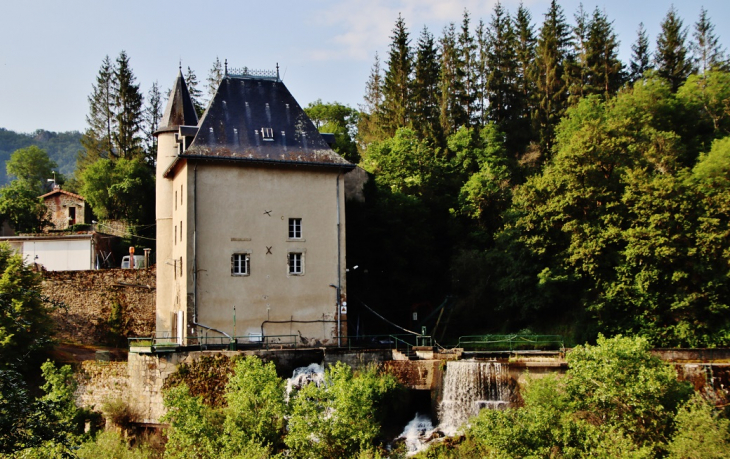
(616, 400)
(62, 148)
(339, 418)
(559, 193)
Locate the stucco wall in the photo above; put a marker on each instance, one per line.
(89, 298)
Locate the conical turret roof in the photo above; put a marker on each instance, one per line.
(180, 110)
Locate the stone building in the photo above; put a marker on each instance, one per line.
(250, 219)
(66, 209)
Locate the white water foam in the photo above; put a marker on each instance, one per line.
(314, 373)
(417, 434)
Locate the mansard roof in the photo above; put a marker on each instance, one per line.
(256, 119)
(180, 110)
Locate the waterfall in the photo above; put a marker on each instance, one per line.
(469, 386)
(314, 373)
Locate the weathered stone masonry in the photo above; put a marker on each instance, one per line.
(90, 297)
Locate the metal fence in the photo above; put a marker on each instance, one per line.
(514, 342)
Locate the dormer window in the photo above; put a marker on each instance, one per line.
(267, 133)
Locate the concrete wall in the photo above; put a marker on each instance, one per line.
(89, 296)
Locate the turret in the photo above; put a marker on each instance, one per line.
(179, 112)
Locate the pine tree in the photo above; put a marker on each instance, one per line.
(502, 72)
(672, 62)
(482, 50)
(97, 140)
(196, 93)
(605, 70)
(552, 52)
(467, 57)
(152, 117)
(426, 94)
(706, 51)
(577, 69)
(640, 56)
(397, 99)
(524, 84)
(215, 75)
(369, 128)
(128, 109)
(452, 115)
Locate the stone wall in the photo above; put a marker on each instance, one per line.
(101, 382)
(91, 300)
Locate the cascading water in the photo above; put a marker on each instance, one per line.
(314, 373)
(469, 386)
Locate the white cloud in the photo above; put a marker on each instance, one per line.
(361, 27)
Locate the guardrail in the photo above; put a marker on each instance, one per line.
(514, 342)
(172, 343)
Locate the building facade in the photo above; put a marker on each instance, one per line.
(250, 219)
(66, 209)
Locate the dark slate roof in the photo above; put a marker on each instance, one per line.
(180, 110)
(258, 120)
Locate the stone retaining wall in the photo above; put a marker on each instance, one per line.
(101, 382)
(92, 299)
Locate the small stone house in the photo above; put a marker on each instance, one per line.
(66, 209)
(250, 219)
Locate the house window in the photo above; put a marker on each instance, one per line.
(175, 199)
(267, 133)
(181, 270)
(240, 264)
(71, 215)
(295, 228)
(296, 263)
(181, 195)
(175, 235)
(181, 231)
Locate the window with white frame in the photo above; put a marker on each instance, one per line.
(240, 264)
(267, 133)
(296, 263)
(295, 228)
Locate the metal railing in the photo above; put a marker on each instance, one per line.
(515, 342)
(166, 343)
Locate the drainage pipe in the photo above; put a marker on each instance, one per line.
(339, 267)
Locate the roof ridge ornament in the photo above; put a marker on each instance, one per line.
(245, 72)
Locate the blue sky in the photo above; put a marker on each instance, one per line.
(50, 51)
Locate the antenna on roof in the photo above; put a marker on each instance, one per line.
(226, 71)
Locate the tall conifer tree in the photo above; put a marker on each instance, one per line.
(706, 51)
(671, 59)
(128, 107)
(605, 70)
(397, 99)
(501, 65)
(467, 53)
(525, 84)
(152, 116)
(552, 52)
(196, 94)
(215, 75)
(426, 95)
(452, 115)
(640, 55)
(577, 69)
(98, 139)
(369, 127)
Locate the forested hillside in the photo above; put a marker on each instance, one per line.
(62, 148)
(544, 183)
